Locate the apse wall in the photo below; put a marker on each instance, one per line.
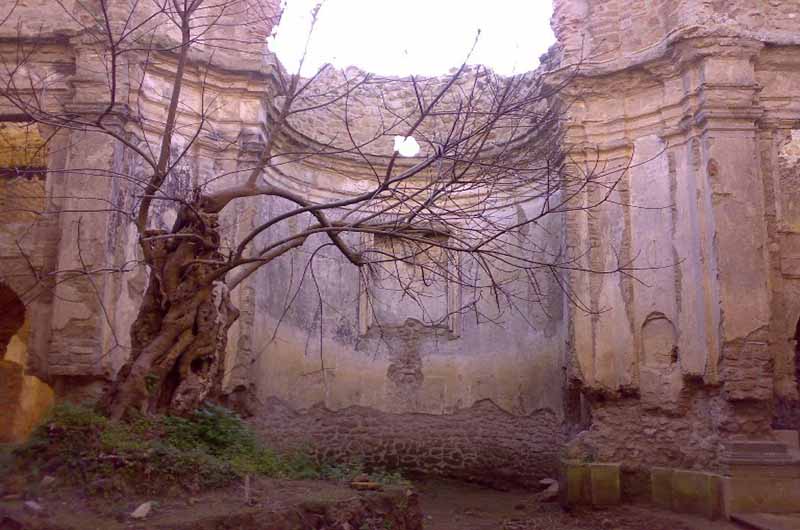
(468, 399)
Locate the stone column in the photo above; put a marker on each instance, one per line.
(240, 353)
(85, 340)
(730, 166)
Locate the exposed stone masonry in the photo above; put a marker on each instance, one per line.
(482, 443)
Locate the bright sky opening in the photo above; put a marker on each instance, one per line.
(425, 37)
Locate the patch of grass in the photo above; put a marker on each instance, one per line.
(348, 471)
(151, 454)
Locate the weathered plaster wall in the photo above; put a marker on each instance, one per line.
(326, 355)
(317, 345)
(693, 100)
(66, 219)
(514, 362)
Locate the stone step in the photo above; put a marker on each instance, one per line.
(763, 458)
(767, 521)
(760, 447)
(790, 437)
(761, 495)
(761, 469)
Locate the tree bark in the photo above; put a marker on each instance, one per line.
(179, 337)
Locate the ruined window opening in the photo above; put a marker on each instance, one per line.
(410, 279)
(23, 170)
(22, 150)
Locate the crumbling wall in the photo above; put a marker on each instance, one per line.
(480, 443)
(328, 359)
(692, 107)
(65, 219)
(689, 104)
(330, 352)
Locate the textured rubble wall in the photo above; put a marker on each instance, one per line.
(480, 443)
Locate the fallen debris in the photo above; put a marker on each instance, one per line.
(142, 511)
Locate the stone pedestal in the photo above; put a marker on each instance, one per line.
(589, 484)
(686, 491)
(761, 476)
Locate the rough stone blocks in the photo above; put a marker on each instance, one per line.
(661, 486)
(605, 484)
(589, 484)
(574, 484)
(696, 492)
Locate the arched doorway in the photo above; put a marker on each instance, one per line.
(14, 327)
(24, 399)
(797, 354)
(787, 410)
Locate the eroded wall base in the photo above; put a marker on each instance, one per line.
(482, 443)
(629, 431)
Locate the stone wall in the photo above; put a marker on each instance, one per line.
(482, 443)
(320, 350)
(331, 343)
(689, 103)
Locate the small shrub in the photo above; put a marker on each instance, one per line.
(345, 472)
(152, 454)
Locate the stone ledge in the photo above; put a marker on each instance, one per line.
(696, 492)
(766, 521)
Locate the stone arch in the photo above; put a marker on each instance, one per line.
(24, 399)
(14, 326)
(659, 341)
(797, 355)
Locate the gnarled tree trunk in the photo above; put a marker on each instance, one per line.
(178, 339)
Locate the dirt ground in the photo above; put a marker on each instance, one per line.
(445, 505)
(278, 504)
(457, 506)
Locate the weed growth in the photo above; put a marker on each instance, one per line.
(151, 454)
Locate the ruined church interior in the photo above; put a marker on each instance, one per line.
(567, 298)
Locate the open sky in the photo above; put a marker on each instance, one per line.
(426, 37)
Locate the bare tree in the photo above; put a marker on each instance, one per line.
(468, 209)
